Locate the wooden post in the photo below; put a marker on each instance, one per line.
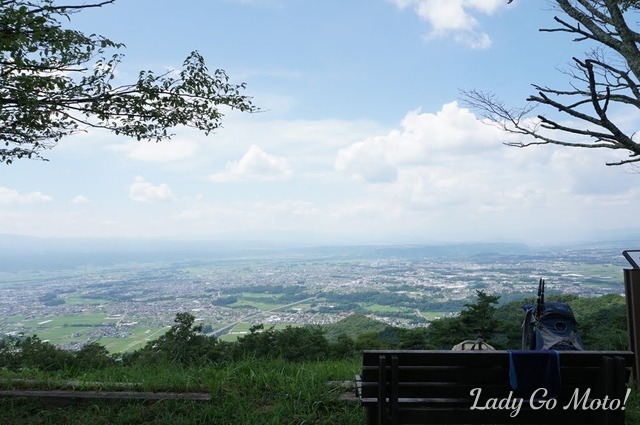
(632, 293)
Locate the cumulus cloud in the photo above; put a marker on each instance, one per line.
(437, 165)
(454, 18)
(80, 199)
(143, 191)
(423, 139)
(255, 164)
(449, 175)
(368, 161)
(11, 196)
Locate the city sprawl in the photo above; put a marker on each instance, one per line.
(125, 304)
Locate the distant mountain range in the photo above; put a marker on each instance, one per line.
(32, 253)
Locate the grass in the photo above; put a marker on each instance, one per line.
(64, 329)
(265, 297)
(246, 392)
(138, 339)
(379, 308)
(67, 329)
(93, 319)
(599, 271)
(64, 335)
(432, 315)
(264, 306)
(632, 408)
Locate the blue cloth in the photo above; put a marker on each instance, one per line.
(531, 370)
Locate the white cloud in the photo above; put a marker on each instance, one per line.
(368, 161)
(166, 151)
(454, 18)
(143, 191)
(11, 196)
(449, 176)
(80, 199)
(310, 145)
(423, 139)
(255, 164)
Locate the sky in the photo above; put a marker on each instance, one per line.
(362, 136)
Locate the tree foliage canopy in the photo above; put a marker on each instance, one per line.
(605, 82)
(56, 81)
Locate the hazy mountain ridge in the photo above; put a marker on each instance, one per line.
(33, 253)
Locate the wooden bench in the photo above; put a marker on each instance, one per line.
(441, 387)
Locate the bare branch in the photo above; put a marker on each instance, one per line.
(582, 116)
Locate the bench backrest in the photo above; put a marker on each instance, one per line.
(402, 386)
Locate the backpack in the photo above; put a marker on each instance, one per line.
(472, 345)
(550, 326)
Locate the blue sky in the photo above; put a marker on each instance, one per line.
(362, 138)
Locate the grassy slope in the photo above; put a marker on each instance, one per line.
(247, 392)
(353, 326)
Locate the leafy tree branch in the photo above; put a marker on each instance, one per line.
(55, 82)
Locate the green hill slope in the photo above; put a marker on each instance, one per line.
(353, 326)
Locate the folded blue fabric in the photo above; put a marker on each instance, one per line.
(531, 370)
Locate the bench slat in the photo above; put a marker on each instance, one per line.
(481, 359)
(472, 375)
(431, 390)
